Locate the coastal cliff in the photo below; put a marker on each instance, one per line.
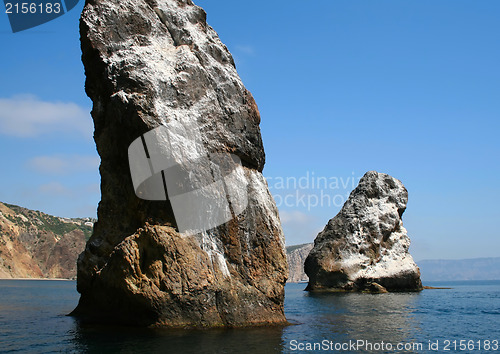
(37, 245)
(365, 246)
(296, 256)
(170, 247)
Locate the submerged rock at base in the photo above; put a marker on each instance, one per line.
(365, 246)
(374, 288)
(156, 67)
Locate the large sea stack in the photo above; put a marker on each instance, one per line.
(167, 99)
(365, 246)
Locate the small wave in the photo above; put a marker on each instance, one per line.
(491, 312)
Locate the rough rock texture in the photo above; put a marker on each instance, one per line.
(37, 245)
(366, 243)
(157, 63)
(296, 256)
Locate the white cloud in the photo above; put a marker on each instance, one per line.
(28, 116)
(299, 227)
(63, 164)
(245, 49)
(55, 189)
(296, 217)
(56, 197)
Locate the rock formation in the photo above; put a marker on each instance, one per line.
(365, 246)
(37, 245)
(296, 256)
(157, 72)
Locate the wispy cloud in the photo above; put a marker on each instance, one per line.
(299, 227)
(28, 116)
(245, 49)
(54, 198)
(55, 189)
(296, 217)
(63, 164)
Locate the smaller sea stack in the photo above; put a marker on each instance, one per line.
(365, 246)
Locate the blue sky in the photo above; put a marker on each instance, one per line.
(411, 89)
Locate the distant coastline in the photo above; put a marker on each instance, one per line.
(460, 269)
(433, 270)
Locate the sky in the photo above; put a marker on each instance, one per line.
(408, 88)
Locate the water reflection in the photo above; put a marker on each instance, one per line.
(341, 317)
(315, 317)
(107, 339)
(32, 319)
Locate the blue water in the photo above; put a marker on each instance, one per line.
(32, 319)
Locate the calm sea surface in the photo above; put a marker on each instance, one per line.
(463, 319)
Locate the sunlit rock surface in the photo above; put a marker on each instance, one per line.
(296, 255)
(365, 246)
(153, 65)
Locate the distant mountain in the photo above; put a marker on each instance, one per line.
(430, 270)
(463, 269)
(296, 255)
(37, 245)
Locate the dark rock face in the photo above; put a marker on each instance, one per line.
(365, 246)
(152, 64)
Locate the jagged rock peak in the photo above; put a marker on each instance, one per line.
(365, 246)
(168, 108)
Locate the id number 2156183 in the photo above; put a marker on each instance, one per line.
(33, 8)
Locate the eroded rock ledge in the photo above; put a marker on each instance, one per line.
(365, 246)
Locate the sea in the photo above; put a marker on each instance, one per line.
(464, 318)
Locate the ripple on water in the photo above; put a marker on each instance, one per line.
(32, 319)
